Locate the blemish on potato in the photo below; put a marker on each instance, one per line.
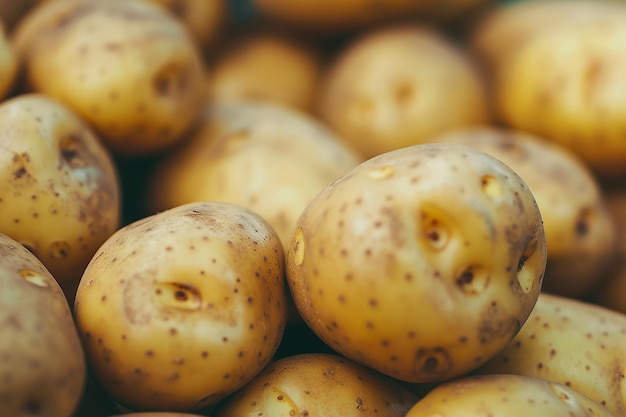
(59, 250)
(33, 277)
(298, 246)
(473, 279)
(381, 173)
(491, 186)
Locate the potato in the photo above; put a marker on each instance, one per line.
(61, 193)
(42, 364)
(580, 231)
(505, 396)
(181, 308)
(8, 63)
(128, 67)
(567, 86)
(268, 158)
(570, 342)
(392, 87)
(269, 67)
(318, 384)
(421, 263)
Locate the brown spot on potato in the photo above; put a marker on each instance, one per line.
(430, 362)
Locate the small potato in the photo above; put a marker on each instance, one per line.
(42, 364)
(179, 309)
(268, 158)
(580, 231)
(317, 384)
(506, 396)
(574, 343)
(421, 263)
(567, 85)
(268, 67)
(128, 67)
(398, 86)
(60, 190)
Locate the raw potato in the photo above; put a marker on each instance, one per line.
(271, 159)
(506, 396)
(399, 86)
(317, 384)
(580, 231)
(566, 84)
(268, 67)
(179, 309)
(421, 263)
(574, 343)
(60, 190)
(128, 67)
(42, 365)
(8, 64)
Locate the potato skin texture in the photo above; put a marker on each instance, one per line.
(181, 308)
(420, 263)
(61, 192)
(318, 384)
(580, 231)
(504, 396)
(128, 67)
(571, 342)
(42, 363)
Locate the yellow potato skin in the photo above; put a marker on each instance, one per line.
(420, 263)
(574, 343)
(318, 384)
(179, 309)
(61, 192)
(42, 364)
(128, 67)
(506, 396)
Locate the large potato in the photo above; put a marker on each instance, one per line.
(317, 384)
(506, 396)
(580, 231)
(42, 364)
(128, 67)
(179, 309)
(399, 86)
(567, 85)
(60, 191)
(421, 263)
(574, 343)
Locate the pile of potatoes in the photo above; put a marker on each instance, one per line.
(312, 208)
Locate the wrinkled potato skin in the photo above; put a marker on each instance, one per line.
(317, 384)
(61, 193)
(566, 85)
(504, 396)
(129, 68)
(420, 263)
(41, 359)
(580, 231)
(390, 89)
(574, 343)
(179, 309)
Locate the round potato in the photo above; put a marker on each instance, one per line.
(505, 395)
(60, 188)
(421, 263)
(317, 384)
(42, 364)
(566, 85)
(580, 231)
(179, 309)
(128, 67)
(268, 67)
(399, 86)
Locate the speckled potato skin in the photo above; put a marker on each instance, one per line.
(506, 396)
(181, 308)
(317, 384)
(128, 67)
(420, 263)
(574, 343)
(580, 231)
(60, 189)
(390, 88)
(42, 364)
